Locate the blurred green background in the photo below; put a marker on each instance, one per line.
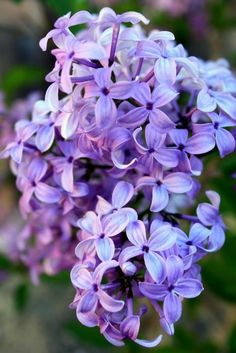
(36, 318)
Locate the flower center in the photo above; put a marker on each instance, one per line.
(181, 147)
(151, 150)
(95, 287)
(105, 91)
(145, 248)
(102, 236)
(70, 159)
(171, 287)
(149, 105)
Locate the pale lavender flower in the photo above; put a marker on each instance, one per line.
(100, 232)
(90, 284)
(162, 186)
(160, 239)
(177, 287)
(149, 109)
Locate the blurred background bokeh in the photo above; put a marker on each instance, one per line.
(36, 318)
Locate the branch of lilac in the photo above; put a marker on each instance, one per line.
(109, 165)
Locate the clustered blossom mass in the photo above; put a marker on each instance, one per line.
(110, 161)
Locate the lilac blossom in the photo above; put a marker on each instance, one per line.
(225, 141)
(101, 231)
(163, 186)
(150, 104)
(109, 153)
(93, 292)
(24, 131)
(105, 109)
(159, 240)
(177, 287)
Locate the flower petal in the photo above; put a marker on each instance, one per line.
(47, 193)
(88, 302)
(105, 112)
(161, 121)
(115, 223)
(160, 198)
(178, 182)
(136, 233)
(45, 137)
(134, 118)
(110, 304)
(67, 177)
(225, 142)
(200, 143)
(198, 234)
(81, 277)
(149, 343)
(188, 287)
(153, 290)
(155, 266)
(165, 70)
(205, 102)
(172, 308)
(105, 248)
(122, 194)
(129, 253)
(175, 268)
(162, 238)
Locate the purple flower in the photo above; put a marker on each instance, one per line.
(197, 144)
(100, 231)
(209, 216)
(156, 151)
(32, 184)
(65, 165)
(150, 104)
(62, 25)
(162, 186)
(106, 90)
(160, 239)
(176, 287)
(112, 149)
(208, 100)
(169, 60)
(122, 194)
(91, 286)
(224, 139)
(24, 131)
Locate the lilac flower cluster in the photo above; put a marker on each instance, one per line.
(110, 160)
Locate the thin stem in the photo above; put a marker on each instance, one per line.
(75, 79)
(139, 67)
(148, 77)
(86, 63)
(115, 35)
